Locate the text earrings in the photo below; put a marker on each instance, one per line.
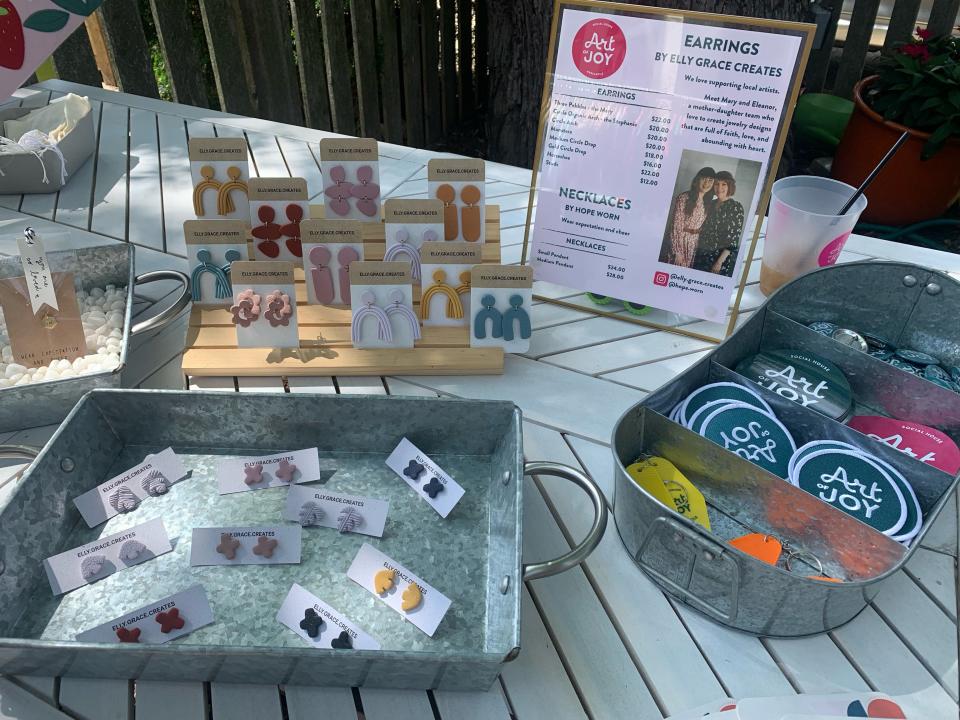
(221, 283)
(448, 196)
(454, 306)
(370, 309)
(339, 192)
(321, 275)
(208, 183)
(398, 308)
(365, 191)
(225, 204)
(488, 313)
(471, 221)
(402, 247)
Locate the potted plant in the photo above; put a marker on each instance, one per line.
(917, 89)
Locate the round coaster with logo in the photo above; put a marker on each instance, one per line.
(916, 357)
(814, 446)
(718, 393)
(752, 434)
(856, 485)
(823, 327)
(803, 378)
(926, 444)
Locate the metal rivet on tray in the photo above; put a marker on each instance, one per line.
(506, 477)
(708, 555)
(933, 289)
(67, 465)
(504, 584)
(909, 280)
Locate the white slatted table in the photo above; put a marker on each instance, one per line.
(599, 642)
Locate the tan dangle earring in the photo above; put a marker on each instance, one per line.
(225, 204)
(208, 183)
(454, 307)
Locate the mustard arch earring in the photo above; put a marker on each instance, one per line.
(454, 306)
(208, 183)
(225, 204)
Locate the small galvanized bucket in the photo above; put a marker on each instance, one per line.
(913, 307)
(48, 402)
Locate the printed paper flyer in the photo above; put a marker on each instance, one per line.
(655, 149)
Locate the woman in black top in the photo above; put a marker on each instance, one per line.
(722, 230)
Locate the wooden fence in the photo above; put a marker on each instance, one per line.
(404, 71)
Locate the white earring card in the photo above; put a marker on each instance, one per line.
(212, 248)
(220, 172)
(445, 296)
(351, 178)
(459, 184)
(329, 247)
(265, 304)
(501, 299)
(408, 225)
(382, 303)
(277, 207)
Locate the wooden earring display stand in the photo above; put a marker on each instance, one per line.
(325, 347)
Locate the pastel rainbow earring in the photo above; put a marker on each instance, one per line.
(370, 309)
(403, 247)
(454, 306)
(488, 313)
(225, 204)
(516, 314)
(346, 256)
(321, 275)
(208, 266)
(448, 196)
(397, 307)
(208, 183)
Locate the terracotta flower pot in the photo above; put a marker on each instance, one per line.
(908, 189)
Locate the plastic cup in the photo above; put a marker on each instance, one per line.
(803, 230)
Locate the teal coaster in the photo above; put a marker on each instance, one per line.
(720, 392)
(753, 435)
(856, 485)
(812, 447)
(916, 357)
(802, 378)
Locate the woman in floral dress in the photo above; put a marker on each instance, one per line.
(690, 210)
(722, 230)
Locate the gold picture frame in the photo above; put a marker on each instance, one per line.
(803, 30)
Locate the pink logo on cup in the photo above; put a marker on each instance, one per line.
(661, 278)
(830, 253)
(599, 48)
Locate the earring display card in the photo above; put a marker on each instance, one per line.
(212, 248)
(250, 545)
(264, 304)
(409, 224)
(459, 184)
(382, 303)
(277, 207)
(126, 491)
(445, 299)
(258, 473)
(351, 178)
(329, 247)
(37, 338)
(367, 571)
(346, 513)
(106, 555)
(425, 477)
(326, 624)
(145, 625)
(501, 300)
(220, 174)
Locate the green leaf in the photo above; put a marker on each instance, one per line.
(936, 141)
(47, 20)
(79, 7)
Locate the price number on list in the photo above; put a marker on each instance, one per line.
(654, 148)
(615, 272)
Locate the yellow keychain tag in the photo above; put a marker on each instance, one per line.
(660, 478)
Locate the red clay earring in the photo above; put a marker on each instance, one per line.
(265, 546)
(268, 231)
(471, 221)
(448, 196)
(365, 191)
(346, 256)
(292, 229)
(339, 192)
(128, 635)
(170, 620)
(321, 275)
(246, 309)
(278, 309)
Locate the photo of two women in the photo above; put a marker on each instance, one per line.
(705, 225)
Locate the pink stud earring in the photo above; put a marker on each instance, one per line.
(246, 309)
(285, 471)
(253, 473)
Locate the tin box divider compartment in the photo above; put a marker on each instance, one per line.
(704, 571)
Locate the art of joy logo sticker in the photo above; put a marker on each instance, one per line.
(753, 435)
(599, 48)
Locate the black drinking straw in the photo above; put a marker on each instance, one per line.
(873, 173)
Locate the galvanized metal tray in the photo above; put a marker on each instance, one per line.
(910, 305)
(472, 556)
(49, 401)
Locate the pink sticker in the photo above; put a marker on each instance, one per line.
(918, 441)
(829, 254)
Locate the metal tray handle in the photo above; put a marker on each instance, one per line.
(17, 452)
(579, 553)
(164, 318)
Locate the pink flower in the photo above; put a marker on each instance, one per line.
(920, 52)
(923, 33)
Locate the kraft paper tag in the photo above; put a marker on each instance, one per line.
(36, 270)
(37, 338)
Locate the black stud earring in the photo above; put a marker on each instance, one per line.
(311, 622)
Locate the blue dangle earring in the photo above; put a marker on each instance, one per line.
(207, 265)
(231, 257)
(488, 313)
(518, 314)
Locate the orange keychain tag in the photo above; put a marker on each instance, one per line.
(762, 547)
